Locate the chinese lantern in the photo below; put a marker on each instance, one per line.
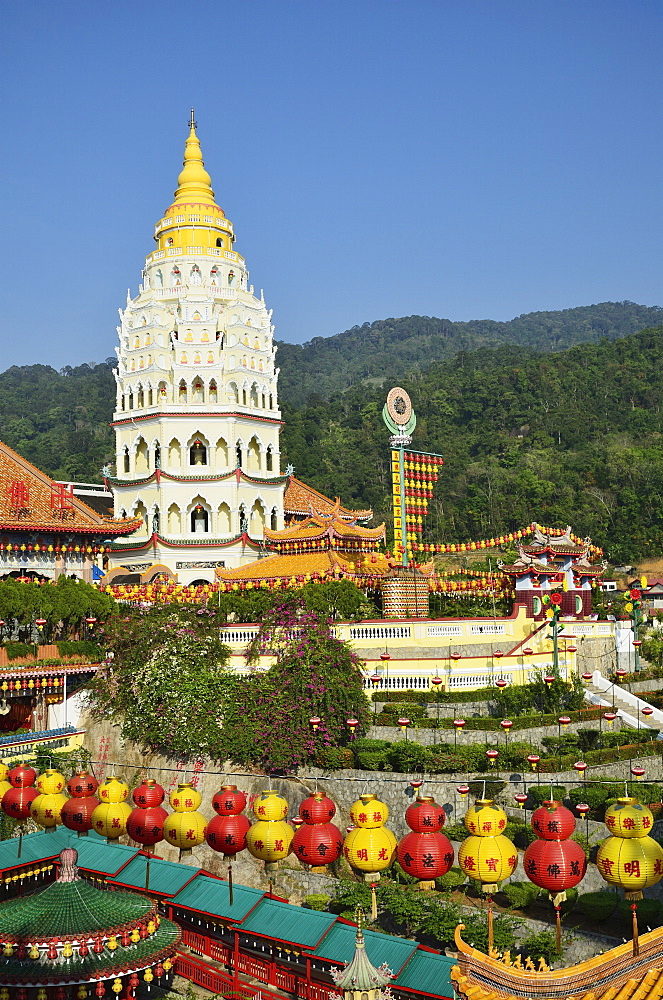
(18, 798)
(487, 855)
(630, 858)
(270, 837)
(370, 846)
(109, 819)
(50, 782)
(20, 775)
(553, 861)
(145, 824)
(425, 853)
(185, 828)
(317, 842)
(113, 790)
(82, 785)
(227, 831)
(46, 809)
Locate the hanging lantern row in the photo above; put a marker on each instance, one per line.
(512, 536)
(29, 683)
(36, 547)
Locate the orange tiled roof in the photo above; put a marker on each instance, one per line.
(301, 500)
(305, 564)
(319, 525)
(26, 503)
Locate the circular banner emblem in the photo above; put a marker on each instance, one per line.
(399, 406)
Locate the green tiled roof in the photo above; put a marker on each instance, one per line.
(166, 877)
(106, 965)
(339, 946)
(69, 908)
(286, 922)
(95, 855)
(211, 896)
(428, 973)
(35, 847)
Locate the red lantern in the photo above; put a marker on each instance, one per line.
(148, 794)
(226, 833)
(145, 825)
(16, 802)
(229, 801)
(553, 821)
(318, 842)
(77, 813)
(425, 853)
(82, 784)
(22, 775)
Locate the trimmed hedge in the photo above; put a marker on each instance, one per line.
(551, 765)
(481, 723)
(597, 905)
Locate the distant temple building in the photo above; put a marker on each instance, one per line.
(45, 529)
(547, 562)
(197, 421)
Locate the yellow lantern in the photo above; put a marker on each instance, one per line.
(185, 828)
(50, 782)
(185, 797)
(81, 993)
(270, 837)
(487, 855)
(46, 809)
(4, 787)
(368, 812)
(4, 770)
(117, 986)
(628, 818)
(110, 819)
(112, 790)
(370, 847)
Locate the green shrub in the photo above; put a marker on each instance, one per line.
(588, 739)
(648, 910)
(80, 647)
(570, 901)
(334, 758)
(408, 709)
(456, 831)
(454, 877)
(406, 756)
(542, 945)
(17, 650)
(520, 894)
(317, 901)
(493, 788)
(371, 755)
(597, 905)
(541, 793)
(521, 834)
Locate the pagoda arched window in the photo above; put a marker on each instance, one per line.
(182, 393)
(253, 455)
(198, 453)
(131, 400)
(199, 520)
(212, 392)
(244, 397)
(140, 399)
(155, 520)
(273, 520)
(214, 272)
(141, 456)
(223, 521)
(221, 454)
(198, 396)
(257, 519)
(126, 465)
(219, 241)
(271, 402)
(263, 400)
(174, 454)
(159, 278)
(243, 519)
(238, 455)
(157, 455)
(254, 395)
(195, 277)
(174, 520)
(269, 459)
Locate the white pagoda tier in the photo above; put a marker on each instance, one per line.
(196, 419)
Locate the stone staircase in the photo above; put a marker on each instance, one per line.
(612, 696)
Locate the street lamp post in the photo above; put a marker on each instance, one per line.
(437, 682)
(375, 680)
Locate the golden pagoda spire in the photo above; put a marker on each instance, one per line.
(194, 184)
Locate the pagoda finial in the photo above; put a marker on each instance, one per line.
(194, 184)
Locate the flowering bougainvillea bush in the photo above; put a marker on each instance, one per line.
(315, 676)
(165, 680)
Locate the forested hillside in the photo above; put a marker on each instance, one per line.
(573, 437)
(567, 436)
(391, 348)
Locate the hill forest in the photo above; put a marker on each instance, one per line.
(532, 429)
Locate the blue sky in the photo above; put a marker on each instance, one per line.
(377, 157)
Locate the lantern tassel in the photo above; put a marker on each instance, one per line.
(230, 881)
(374, 903)
(636, 941)
(558, 929)
(490, 924)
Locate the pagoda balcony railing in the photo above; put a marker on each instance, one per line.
(216, 291)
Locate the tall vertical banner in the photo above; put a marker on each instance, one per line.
(413, 474)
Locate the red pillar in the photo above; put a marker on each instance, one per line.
(236, 958)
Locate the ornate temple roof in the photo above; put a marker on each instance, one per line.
(324, 526)
(105, 933)
(360, 973)
(301, 500)
(31, 501)
(322, 563)
(556, 545)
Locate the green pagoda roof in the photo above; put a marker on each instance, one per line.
(360, 973)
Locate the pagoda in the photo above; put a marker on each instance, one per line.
(73, 940)
(550, 562)
(196, 418)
